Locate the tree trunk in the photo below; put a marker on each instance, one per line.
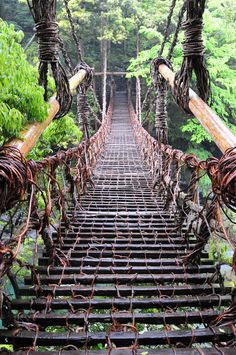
(104, 70)
(138, 98)
(138, 83)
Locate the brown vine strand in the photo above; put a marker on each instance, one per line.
(227, 317)
(193, 57)
(47, 32)
(165, 38)
(223, 174)
(207, 216)
(171, 49)
(83, 109)
(168, 22)
(14, 177)
(66, 57)
(177, 30)
(73, 31)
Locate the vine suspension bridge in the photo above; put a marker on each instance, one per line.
(124, 267)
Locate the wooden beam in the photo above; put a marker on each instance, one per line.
(32, 132)
(212, 123)
(115, 73)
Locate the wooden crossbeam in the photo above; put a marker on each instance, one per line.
(210, 121)
(111, 73)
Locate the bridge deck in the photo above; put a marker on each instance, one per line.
(125, 286)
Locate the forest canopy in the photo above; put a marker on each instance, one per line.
(118, 24)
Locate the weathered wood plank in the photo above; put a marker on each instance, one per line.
(126, 303)
(26, 338)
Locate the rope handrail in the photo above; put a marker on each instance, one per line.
(59, 180)
(205, 221)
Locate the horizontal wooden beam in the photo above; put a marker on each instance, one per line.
(32, 132)
(212, 123)
(25, 338)
(115, 73)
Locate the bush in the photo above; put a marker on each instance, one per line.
(21, 98)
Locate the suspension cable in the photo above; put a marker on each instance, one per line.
(160, 52)
(73, 31)
(169, 18)
(47, 32)
(83, 109)
(177, 30)
(193, 57)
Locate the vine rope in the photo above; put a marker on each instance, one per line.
(47, 32)
(193, 57)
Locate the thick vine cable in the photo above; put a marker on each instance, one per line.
(82, 100)
(165, 38)
(160, 86)
(193, 57)
(47, 32)
(177, 30)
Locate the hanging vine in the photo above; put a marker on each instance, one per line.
(193, 57)
(47, 32)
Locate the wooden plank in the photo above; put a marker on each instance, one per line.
(27, 338)
(123, 278)
(125, 233)
(144, 351)
(126, 270)
(132, 240)
(176, 318)
(129, 253)
(122, 291)
(128, 229)
(121, 247)
(125, 262)
(136, 215)
(191, 301)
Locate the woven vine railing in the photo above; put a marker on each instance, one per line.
(179, 181)
(34, 197)
(177, 176)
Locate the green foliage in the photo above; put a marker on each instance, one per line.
(21, 99)
(25, 257)
(6, 347)
(219, 37)
(218, 252)
(60, 134)
(198, 134)
(138, 66)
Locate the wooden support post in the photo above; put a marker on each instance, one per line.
(32, 132)
(212, 123)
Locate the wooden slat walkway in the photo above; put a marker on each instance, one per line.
(126, 290)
